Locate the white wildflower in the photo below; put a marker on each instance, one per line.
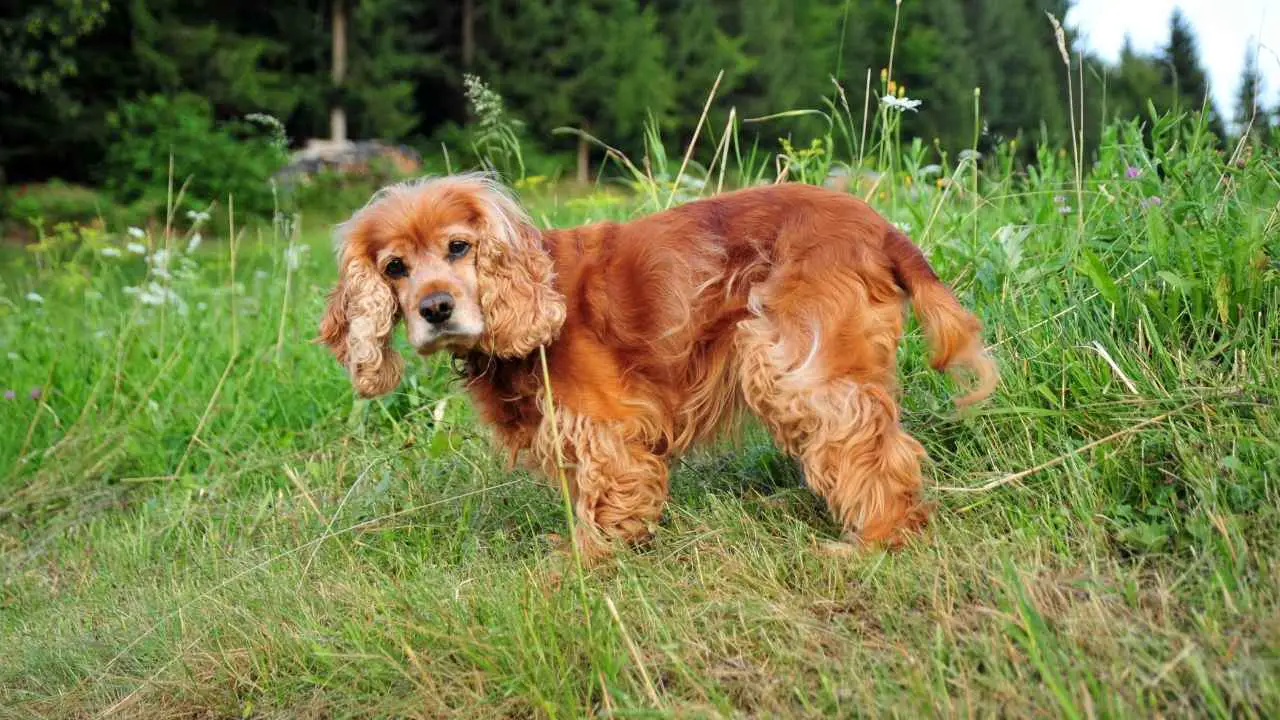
(293, 255)
(197, 216)
(159, 261)
(35, 298)
(156, 294)
(194, 242)
(110, 252)
(899, 103)
(137, 232)
(136, 248)
(928, 170)
(970, 155)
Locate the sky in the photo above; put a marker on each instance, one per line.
(1223, 28)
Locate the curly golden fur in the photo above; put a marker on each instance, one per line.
(785, 301)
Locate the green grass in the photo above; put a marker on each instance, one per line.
(196, 519)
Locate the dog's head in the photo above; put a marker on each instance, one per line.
(457, 259)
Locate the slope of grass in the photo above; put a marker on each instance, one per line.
(196, 519)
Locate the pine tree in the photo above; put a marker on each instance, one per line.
(699, 48)
(793, 48)
(933, 62)
(1018, 67)
(38, 39)
(1183, 73)
(1250, 111)
(594, 65)
(1135, 81)
(40, 54)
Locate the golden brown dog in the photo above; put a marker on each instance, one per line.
(785, 300)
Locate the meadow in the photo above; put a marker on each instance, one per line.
(197, 518)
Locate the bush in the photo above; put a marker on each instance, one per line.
(219, 159)
(47, 204)
(333, 192)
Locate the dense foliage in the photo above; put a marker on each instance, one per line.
(602, 66)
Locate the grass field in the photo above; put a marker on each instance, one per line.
(198, 520)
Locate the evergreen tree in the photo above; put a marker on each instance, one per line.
(1250, 111)
(793, 48)
(1183, 73)
(38, 40)
(935, 64)
(595, 65)
(220, 50)
(386, 53)
(1135, 80)
(605, 66)
(1017, 65)
(698, 48)
(40, 54)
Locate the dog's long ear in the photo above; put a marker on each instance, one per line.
(357, 327)
(522, 307)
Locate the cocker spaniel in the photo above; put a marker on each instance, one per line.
(785, 300)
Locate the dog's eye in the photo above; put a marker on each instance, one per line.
(396, 268)
(458, 248)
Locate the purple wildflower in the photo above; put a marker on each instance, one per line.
(10, 395)
(1132, 172)
(1152, 201)
(1059, 199)
(35, 393)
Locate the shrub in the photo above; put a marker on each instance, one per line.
(47, 204)
(333, 192)
(219, 159)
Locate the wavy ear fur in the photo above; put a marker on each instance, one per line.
(522, 308)
(357, 327)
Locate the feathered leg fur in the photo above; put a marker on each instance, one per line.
(830, 404)
(618, 486)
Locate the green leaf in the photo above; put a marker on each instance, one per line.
(1175, 281)
(1145, 536)
(439, 445)
(1093, 268)
(1222, 297)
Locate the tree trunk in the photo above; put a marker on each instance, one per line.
(584, 161)
(468, 33)
(337, 115)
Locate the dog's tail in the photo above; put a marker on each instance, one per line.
(954, 334)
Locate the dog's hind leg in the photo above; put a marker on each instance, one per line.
(843, 430)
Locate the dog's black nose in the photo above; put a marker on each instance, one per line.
(436, 307)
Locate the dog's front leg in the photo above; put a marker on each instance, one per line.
(618, 486)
